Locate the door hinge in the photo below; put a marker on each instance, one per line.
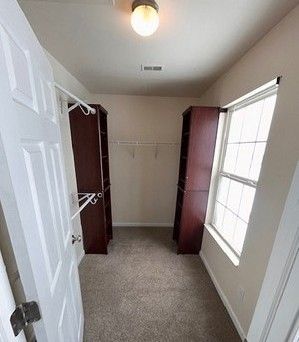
(24, 314)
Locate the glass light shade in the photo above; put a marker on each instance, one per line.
(145, 20)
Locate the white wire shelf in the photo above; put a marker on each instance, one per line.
(135, 144)
(142, 143)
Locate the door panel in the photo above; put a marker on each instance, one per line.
(32, 183)
(60, 203)
(65, 330)
(48, 99)
(34, 156)
(19, 71)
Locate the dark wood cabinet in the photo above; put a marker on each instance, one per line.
(90, 146)
(197, 153)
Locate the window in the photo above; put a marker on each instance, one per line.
(245, 139)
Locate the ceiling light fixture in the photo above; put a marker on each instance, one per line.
(145, 17)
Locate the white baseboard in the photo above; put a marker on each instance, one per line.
(81, 256)
(136, 224)
(224, 298)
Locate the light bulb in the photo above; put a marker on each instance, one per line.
(145, 20)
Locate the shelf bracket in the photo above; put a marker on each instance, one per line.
(85, 198)
(78, 102)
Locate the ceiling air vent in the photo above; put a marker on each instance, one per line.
(151, 68)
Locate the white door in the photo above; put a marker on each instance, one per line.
(276, 316)
(7, 306)
(32, 183)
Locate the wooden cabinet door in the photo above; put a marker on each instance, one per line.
(202, 140)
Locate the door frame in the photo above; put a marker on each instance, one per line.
(7, 304)
(281, 262)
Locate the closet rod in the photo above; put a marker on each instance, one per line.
(78, 101)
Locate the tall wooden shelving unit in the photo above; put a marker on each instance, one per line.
(197, 152)
(91, 156)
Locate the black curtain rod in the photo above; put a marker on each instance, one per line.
(223, 110)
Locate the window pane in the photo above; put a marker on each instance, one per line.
(246, 202)
(239, 236)
(229, 222)
(266, 118)
(230, 158)
(234, 196)
(247, 136)
(244, 160)
(236, 126)
(223, 190)
(251, 121)
(218, 216)
(257, 161)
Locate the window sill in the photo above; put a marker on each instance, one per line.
(223, 245)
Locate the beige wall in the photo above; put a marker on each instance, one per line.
(276, 54)
(69, 82)
(144, 187)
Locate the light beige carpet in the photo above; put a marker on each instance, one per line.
(143, 291)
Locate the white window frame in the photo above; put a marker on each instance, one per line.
(223, 132)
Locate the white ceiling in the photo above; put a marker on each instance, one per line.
(197, 40)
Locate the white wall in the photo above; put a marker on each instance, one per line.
(144, 187)
(69, 82)
(276, 54)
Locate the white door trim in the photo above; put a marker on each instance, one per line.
(281, 287)
(7, 305)
(283, 256)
